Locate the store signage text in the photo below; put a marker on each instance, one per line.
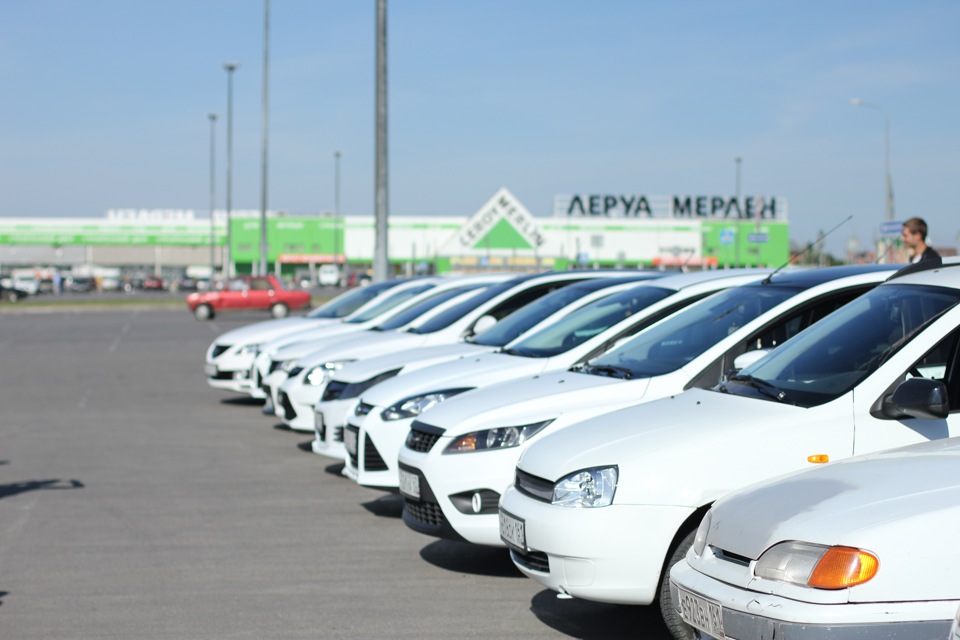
(640, 206)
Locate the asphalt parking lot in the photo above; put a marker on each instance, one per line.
(137, 502)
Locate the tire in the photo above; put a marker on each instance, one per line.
(11, 296)
(680, 629)
(203, 312)
(279, 310)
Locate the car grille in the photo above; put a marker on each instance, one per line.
(274, 365)
(338, 434)
(223, 375)
(426, 513)
(536, 488)
(532, 560)
(333, 390)
(372, 460)
(288, 411)
(321, 428)
(218, 349)
(422, 436)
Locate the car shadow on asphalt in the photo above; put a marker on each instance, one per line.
(598, 620)
(3, 594)
(14, 488)
(389, 505)
(475, 559)
(335, 469)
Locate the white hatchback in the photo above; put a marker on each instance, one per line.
(866, 545)
(871, 376)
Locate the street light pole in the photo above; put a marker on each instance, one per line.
(381, 253)
(213, 192)
(736, 240)
(229, 67)
(336, 207)
(886, 128)
(264, 138)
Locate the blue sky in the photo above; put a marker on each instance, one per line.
(104, 103)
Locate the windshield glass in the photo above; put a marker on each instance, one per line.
(391, 301)
(445, 318)
(587, 321)
(408, 315)
(528, 316)
(345, 304)
(673, 343)
(834, 355)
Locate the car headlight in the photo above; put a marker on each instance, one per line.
(249, 350)
(816, 565)
(320, 373)
(700, 540)
(498, 438)
(412, 407)
(588, 488)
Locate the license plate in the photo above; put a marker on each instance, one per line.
(701, 613)
(318, 426)
(512, 531)
(409, 484)
(210, 370)
(350, 441)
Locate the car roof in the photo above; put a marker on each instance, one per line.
(806, 278)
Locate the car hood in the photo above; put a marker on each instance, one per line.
(901, 505)
(528, 400)
(261, 332)
(346, 347)
(408, 360)
(469, 372)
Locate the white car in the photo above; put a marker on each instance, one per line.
(346, 384)
(303, 390)
(382, 420)
(461, 456)
(446, 325)
(602, 509)
(231, 355)
(404, 306)
(865, 545)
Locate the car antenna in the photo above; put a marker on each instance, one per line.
(805, 249)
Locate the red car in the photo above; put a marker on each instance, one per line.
(248, 292)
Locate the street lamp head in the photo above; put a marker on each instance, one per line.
(231, 66)
(212, 117)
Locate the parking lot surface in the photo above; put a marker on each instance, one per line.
(136, 502)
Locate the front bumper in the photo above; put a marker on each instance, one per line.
(379, 446)
(330, 417)
(748, 614)
(297, 402)
(230, 371)
(609, 554)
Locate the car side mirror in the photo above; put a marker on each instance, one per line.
(483, 323)
(744, 360)
(917, 398)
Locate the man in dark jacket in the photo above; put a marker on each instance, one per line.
(914, 235)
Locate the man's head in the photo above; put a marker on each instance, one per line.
(914, 232)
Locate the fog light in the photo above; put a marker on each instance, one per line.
(241, 375)
(476, 502)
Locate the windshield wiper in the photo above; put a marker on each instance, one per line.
(610, 370)
(771, 391)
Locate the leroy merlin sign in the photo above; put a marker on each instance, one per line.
(501, 223)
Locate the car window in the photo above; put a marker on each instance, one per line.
(587, 321)
(391, 302)
(413, 312)
(237, 285)
(349, 302)
(687, 334)
(834, 355)
(261, 284)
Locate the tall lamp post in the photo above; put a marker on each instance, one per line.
(264, 137)
(336, 207)
(213, 192)
(229, 67)
(857, 102)
(381, 252)
(738, 160)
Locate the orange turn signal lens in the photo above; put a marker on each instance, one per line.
(818, 458)
(842, 567)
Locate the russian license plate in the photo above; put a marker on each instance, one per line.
(512, 531)
(350, 441)
(210, 370)
(319, 427)
(409, 484)
(701, 613)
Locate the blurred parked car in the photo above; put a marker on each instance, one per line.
(11, 294)
(248, 292)
(78, 284)
(153, 283)
(865, 545)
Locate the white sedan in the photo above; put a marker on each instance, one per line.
(866, 545)
(871, 376)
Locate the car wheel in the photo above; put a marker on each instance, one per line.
(203, 312)
(11, 296)
(680, 629)
(279, 310)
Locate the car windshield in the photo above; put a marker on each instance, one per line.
(446, 318)
(391, 301)
(836, 354)
(528, 316)
(587, 321)
(685, 335)
(344, 305)
(413, 312)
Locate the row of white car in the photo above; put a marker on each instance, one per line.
(593, 421)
